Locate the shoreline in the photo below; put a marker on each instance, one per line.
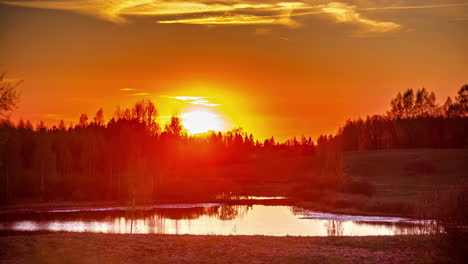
(293, 202)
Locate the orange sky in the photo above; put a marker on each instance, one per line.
(281, 68)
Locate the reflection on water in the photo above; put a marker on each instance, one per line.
(211, 219)
(249, 197)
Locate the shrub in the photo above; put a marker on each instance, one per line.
(449, 210)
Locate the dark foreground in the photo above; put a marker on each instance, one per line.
(20, 247)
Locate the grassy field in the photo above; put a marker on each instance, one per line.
(398, 181)
(112, 248)
(403, 173)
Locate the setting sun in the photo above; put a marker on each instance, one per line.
(201, 121)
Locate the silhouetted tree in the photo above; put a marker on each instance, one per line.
(447, 107)
(83, 122)
(408, 103)
(174, 128)
(9, 95)
(99, 118)
(424, 103)
(397, 109)
(461, 102)
(411, 123)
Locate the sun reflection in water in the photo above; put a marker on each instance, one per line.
(217, 220)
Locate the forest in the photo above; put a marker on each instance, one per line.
(132, 158)
(413, 121)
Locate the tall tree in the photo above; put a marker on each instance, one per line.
(175, 128)
(424, 103)
(9, 95)
(99, 118)
(408, 103)
(83, 122)
(397, 108)
(462, 100)
(446, 108)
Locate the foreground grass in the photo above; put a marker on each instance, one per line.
(18, 247)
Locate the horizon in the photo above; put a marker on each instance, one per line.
(197, 122)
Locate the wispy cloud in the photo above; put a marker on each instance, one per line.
(235, 12)
(116, 10)
(348, 13)
(232, 20)
(12, 80)
(414, 7)
(129, 89)
(196, 100)
(135, 92)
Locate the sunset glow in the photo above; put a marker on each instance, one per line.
(201, 121)
(271, 67)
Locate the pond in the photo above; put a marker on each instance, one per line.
(208, 219)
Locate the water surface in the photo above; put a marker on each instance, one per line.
(209, 219)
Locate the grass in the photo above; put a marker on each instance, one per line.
(20, 247)
(405, 172)
(400, 180)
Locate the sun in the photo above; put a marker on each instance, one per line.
(201, 121)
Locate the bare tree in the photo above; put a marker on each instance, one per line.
(9, 95)
(99, 118)
(397, 109)
(462, 100)
(83, 120)
(425, 103)
(447, 107)
(175, 127)
(408, 103)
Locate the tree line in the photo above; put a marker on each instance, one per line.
(413, 121)
(132, 157)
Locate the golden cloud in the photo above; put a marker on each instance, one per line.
(235, 12)
(196, 100)
(348, 13)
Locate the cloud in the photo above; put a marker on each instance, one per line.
(116, 10)
(11, 80)
(415, 7)
(128, 89)
(196, 100)
(234, 12)
(229, 20)
(108, 10)
(348, 13)
(135, 92)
